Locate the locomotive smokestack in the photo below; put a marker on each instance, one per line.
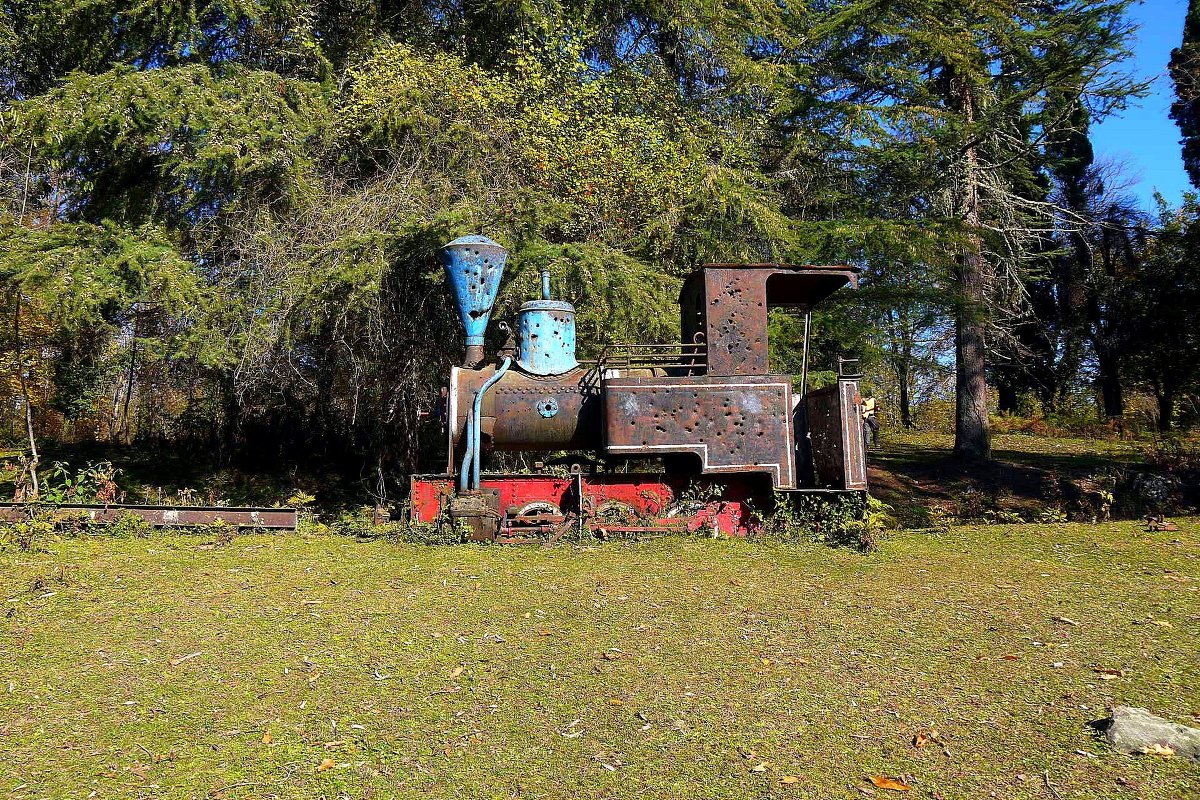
(474, 266)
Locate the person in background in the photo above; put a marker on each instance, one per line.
(870, 423)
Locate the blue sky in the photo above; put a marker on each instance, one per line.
(1144, 136)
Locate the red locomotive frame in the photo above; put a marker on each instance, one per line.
(533, 504)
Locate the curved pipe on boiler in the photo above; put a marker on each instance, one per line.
(464, 474)
(476, 417)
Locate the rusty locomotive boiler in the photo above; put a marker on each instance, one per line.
(725, 438)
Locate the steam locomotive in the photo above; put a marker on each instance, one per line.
(725, 438)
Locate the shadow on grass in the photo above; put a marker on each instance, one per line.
(911, 472)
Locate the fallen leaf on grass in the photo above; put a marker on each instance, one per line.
(1065, 620)
(338, 743)
(762, 766)
(1011, 657)
(266, 737)
(327, 763)
(923, 738)
(175, 662)
(610, 656)
(616, 701)
(789, 779)
(454, 673)
(1156, 749)
(884, 782)
(1162, 623)
(1107, 674)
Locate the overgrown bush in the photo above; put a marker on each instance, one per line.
(845, 520)
(29, 535)
(1173, 454)
(127, 526)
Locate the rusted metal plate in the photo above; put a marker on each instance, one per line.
(835, 434)
(525, 412)
(730, 307)
(725, 306)
(164, 516)
(733, 424)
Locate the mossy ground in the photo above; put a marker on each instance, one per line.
(156, 667)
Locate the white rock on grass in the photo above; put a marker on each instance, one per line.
(1136, 730)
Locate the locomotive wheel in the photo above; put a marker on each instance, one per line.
(612, 512)
(537, 507)
(689, 510)
(528, 523)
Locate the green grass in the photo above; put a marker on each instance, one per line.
(628, 670)
(1041, 452)
(915, 471)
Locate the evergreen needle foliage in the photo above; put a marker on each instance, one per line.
(219, 220)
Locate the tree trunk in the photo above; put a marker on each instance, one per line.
(972, 435)
(1009, 400)
(905, 403)
(24, 382)
(123, 430)
(1166, 410)
(1110, 383)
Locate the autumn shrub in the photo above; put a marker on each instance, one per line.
(1034, 424)
(936, 416)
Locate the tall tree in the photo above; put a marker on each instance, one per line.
(911, 78)
(1165, 295)
(1185, 73)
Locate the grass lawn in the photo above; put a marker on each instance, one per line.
(167, 667)
(913, 470)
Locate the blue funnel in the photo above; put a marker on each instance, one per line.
(474, 266)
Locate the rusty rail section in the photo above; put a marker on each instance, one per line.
(161, 516)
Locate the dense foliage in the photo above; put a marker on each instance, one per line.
(1185, 73)
(219, 220)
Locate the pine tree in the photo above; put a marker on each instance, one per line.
(931, 92)
(1185, 73)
